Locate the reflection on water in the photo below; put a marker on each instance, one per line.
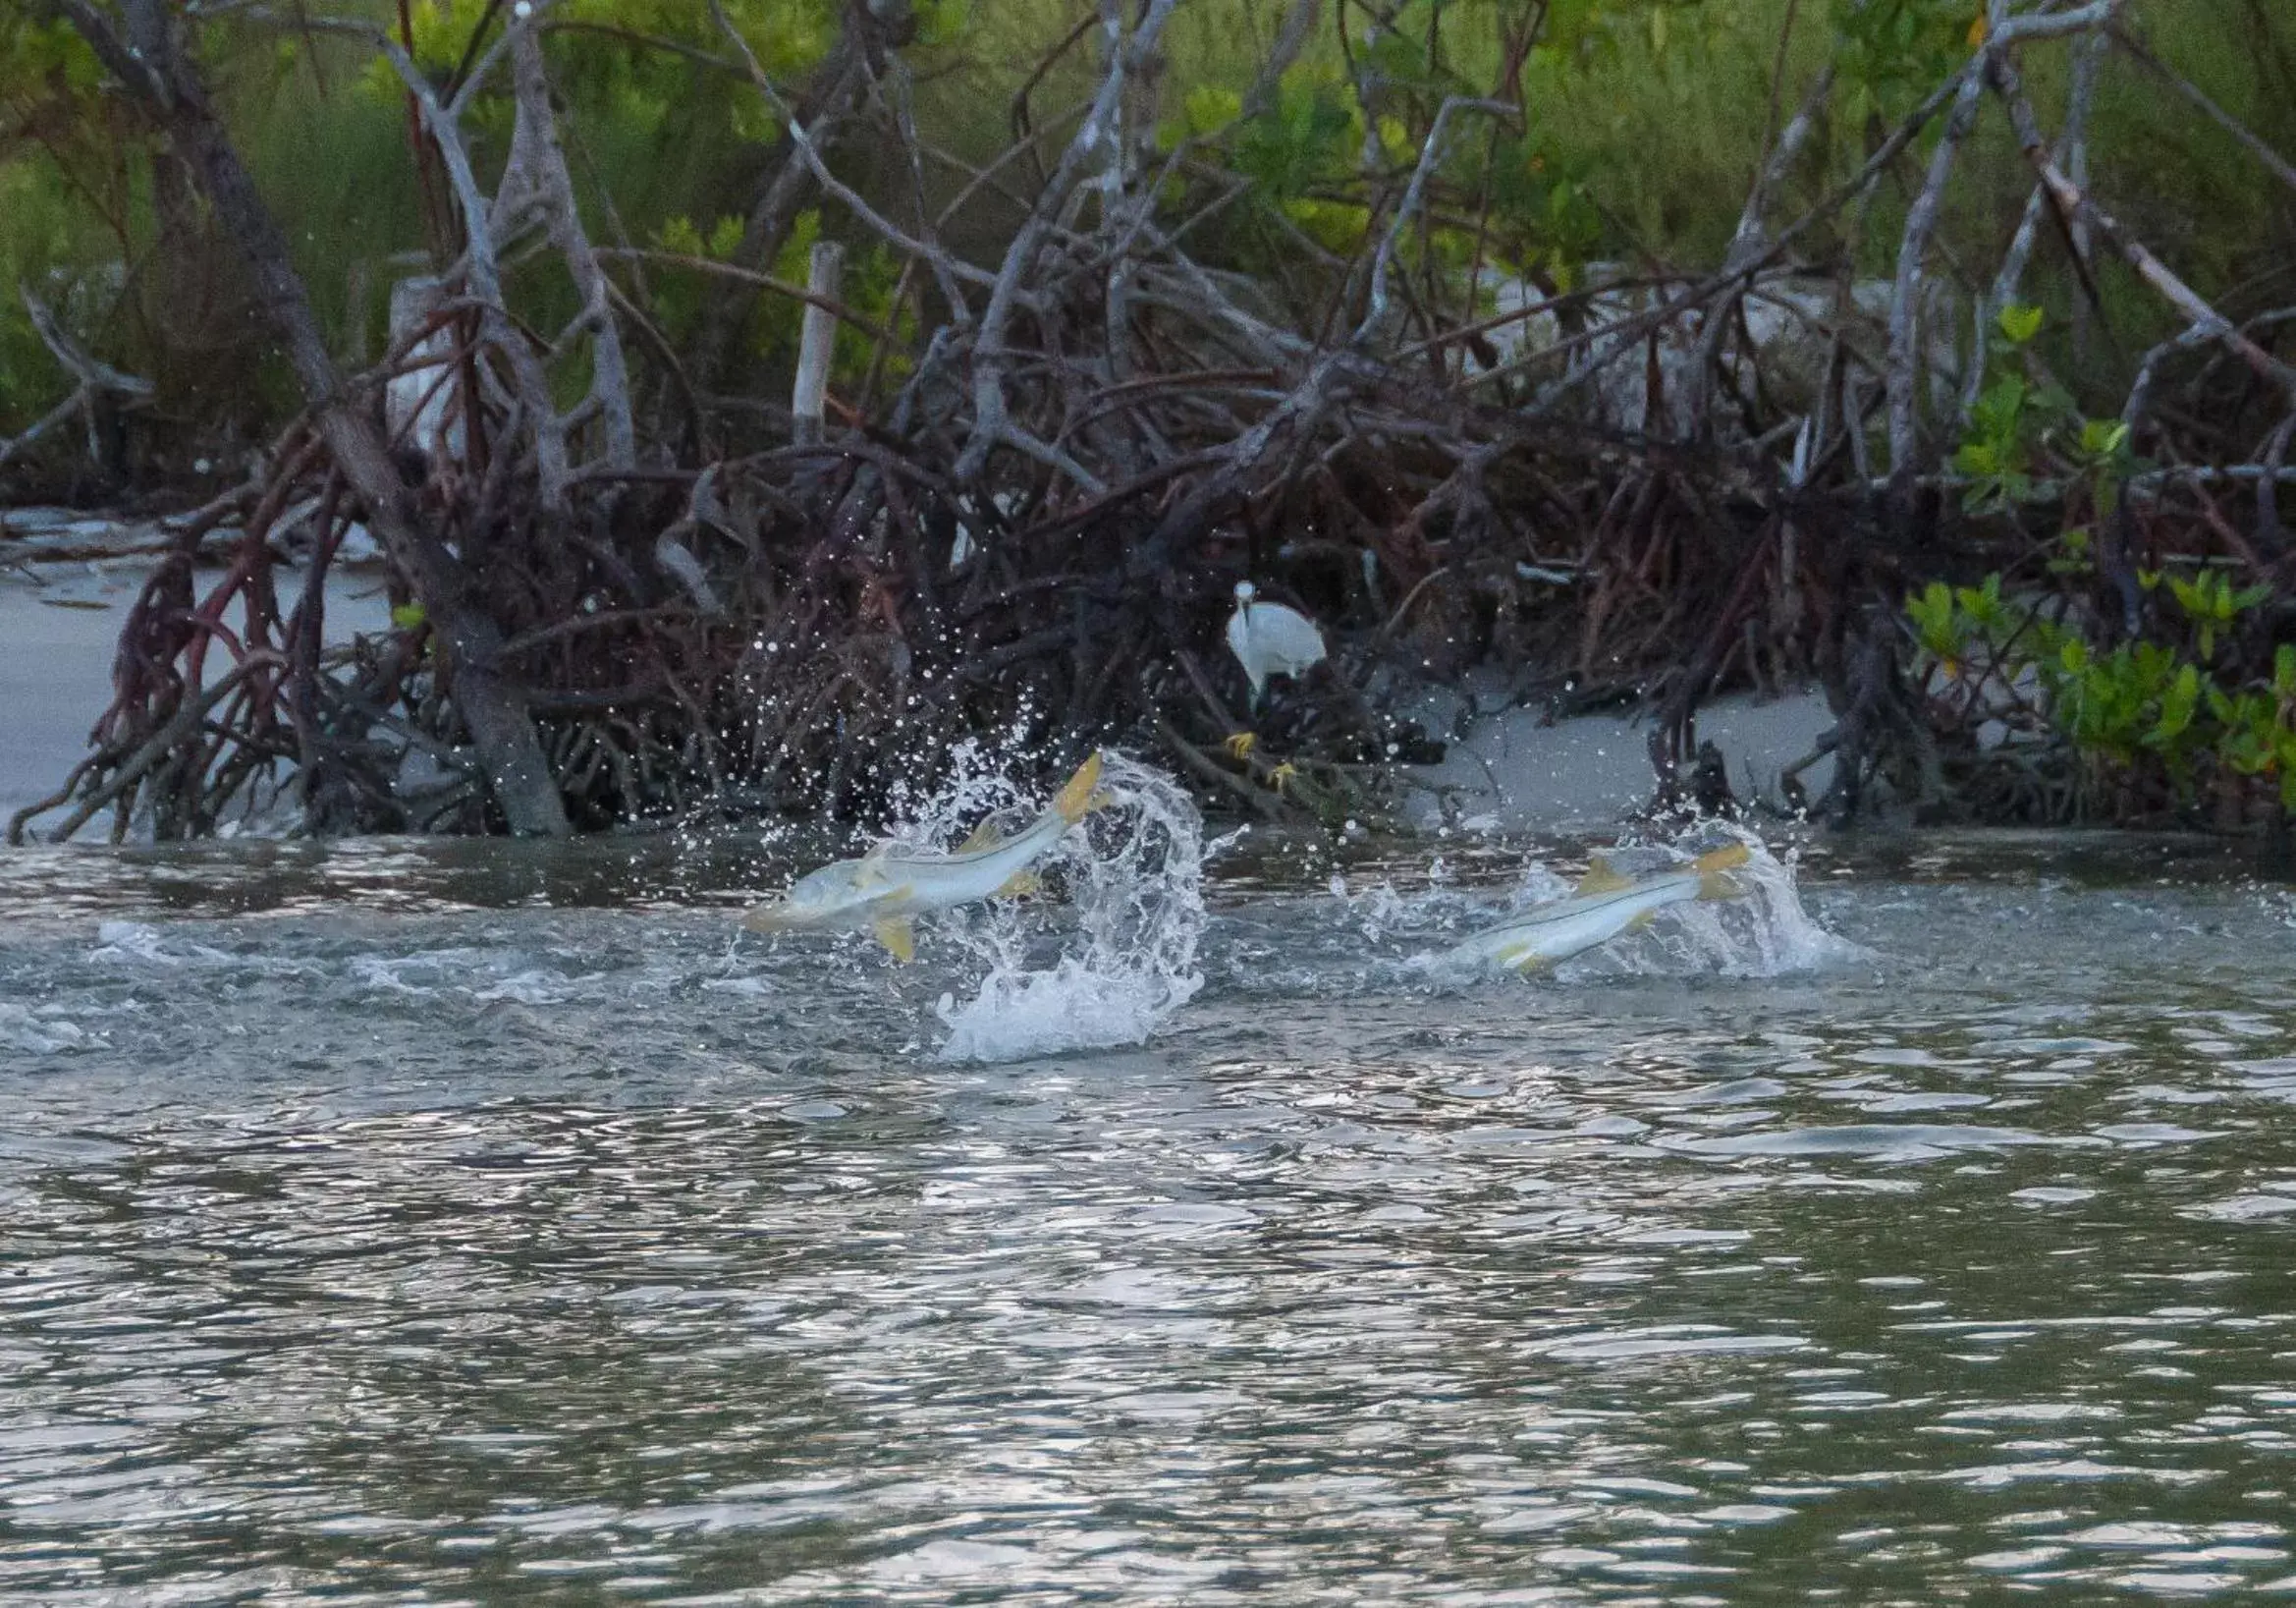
(469, 1223)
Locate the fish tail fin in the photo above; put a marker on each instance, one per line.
(983, 838)
(1079, 797)
(1714, 871)
(761, 919)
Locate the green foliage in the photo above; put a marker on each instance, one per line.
(2019, 324)
(2212, 602)
(1894, 51)
(2260, 726)
(2159, 702)
(1996, 456)
(871, 276)
(2027, 442)
(2143, 702)
(1645, 123)
(438, 40)
(55, 135)
(2006, 423)
(2139, 697)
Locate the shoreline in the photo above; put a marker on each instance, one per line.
(60, 620)
(1508, 771)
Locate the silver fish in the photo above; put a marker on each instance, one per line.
(884, 891)
(1601, 907)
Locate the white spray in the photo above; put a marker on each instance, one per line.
(1126, 959)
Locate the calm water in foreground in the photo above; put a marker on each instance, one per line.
(468, 1223)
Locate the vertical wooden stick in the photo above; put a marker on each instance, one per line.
(815, 343)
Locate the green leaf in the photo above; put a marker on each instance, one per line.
(2020, 323)
(2053, 401)
(2177, 707)
(1979, 460)
(409, 616)
(1212, 107)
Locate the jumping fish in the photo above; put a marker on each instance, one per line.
(885, 890)
(1602, 906)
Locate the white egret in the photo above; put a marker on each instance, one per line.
(1270, 640)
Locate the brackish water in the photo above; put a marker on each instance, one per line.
(483, 1223)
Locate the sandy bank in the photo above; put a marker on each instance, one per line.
(1509, 771)
(59, 620)
(1505, 770)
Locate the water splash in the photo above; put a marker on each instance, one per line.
(138, 943)
(1766, 932)
(42, 1030)
(1125, 958)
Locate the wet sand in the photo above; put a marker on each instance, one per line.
(59, 624)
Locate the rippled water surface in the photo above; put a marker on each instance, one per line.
(469, 1223)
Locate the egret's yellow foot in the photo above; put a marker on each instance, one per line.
(1239, 743)
(1282, 775)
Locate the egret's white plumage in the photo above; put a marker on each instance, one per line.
(1270, 640)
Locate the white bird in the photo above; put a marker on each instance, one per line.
(1270, 640)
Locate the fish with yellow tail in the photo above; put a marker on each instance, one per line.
(886, 890)
(1602, 906)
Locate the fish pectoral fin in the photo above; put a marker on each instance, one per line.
(898, 935)
(1019, 885)
(1524, 961)
(1714, 871)
(1641, 921)
(984, 837)
(1074, 800)
(1601, 878)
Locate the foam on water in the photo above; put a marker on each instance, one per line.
(42, 1031)
(1126, 957)
(137, 943)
